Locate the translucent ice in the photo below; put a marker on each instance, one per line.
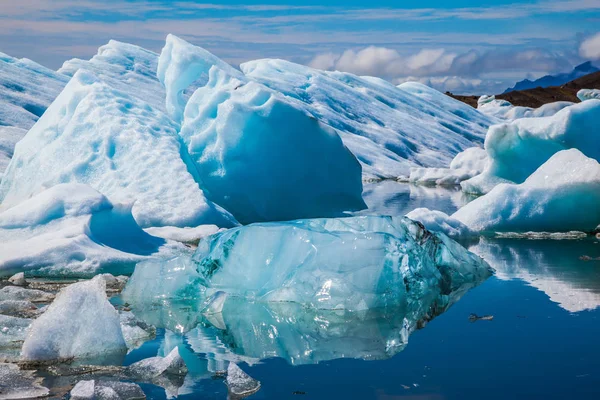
(562, 195)
(79, 323)
(348, 263)
(258, 153)
(118, 145)
(516, 149)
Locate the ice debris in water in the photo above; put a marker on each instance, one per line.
(106, 390)
(153, 367)
(79, 323)
(93, 134)
(17, 307)
(71, 229)
(19, 293)
(465, 165)
(247, 163)
(562, 195)
(588, 94)
(516, 149)
(17, 384)
(239, 383)
(346, 263)
(388, 128)
(13, 331)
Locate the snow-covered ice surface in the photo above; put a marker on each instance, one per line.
(387, 128)
(516, 149)
(26, 90)
(128, 68)
(465, 165)
(80, 322)
(120, 146)
(246, 162)
(72, 230)
(562, 195)
(504, 110)
(347, 263)
(588, 94)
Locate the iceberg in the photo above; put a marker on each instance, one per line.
(389, 129)
(352, 263)
(465, 165)
(516, 149)
(72, 230)
(26, 90)
(120, 146)
(588, 94)
(80, 322)
(257, 153)
(560, 196)
(504, 110)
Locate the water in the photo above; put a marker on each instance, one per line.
(542, 342)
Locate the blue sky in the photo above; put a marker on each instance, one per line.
(461, 45)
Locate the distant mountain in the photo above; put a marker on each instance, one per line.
(539, 96)
(555, 80)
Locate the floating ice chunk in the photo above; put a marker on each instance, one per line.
(562, 195)
(106, 390)
(465, 165)
(438, 221)
(19, 293)
(346, 263)
(79, 323)
(13, 331)
(115, 143)
(135, 331)
(26, 90)
(516, 149)
(70, 229)
(389, 129)
(588, 94)
(258, 153)
(18, 279)
(239, 383)
(153, 367)
(17, 307)
(17, 384)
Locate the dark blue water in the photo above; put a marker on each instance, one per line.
(542, 343)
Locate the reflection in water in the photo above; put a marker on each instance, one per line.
(555, 267)
(394, 198)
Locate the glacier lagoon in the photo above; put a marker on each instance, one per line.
(544, 298)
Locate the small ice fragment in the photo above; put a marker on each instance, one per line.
(18, 279)
(239, 383)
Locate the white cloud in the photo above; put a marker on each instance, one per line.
(590, 48)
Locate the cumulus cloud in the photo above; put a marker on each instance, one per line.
(442, 69)
(590, 48)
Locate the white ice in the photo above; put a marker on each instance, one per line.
(588, 94)
(465, 165)
(516, 149)
(80, 322)
(504, 110)
(118, 145)
(258, 153)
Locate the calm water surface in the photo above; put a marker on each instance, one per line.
(542, 343)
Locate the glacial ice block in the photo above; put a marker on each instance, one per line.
(79, 323)
(118, 145)
(389, 129)
(504, 110)
(71, 229)
(347, 263)
(562, 195)
(258, 153)
(516, 149)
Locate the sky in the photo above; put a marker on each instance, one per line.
(463, 46)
